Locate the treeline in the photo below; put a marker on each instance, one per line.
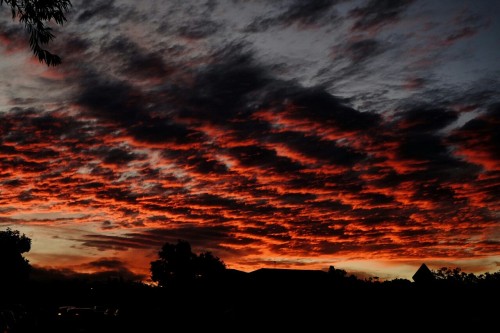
(177, 266)
(197, 291)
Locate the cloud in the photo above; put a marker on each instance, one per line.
(257, 148)
(157, 134)
(135, 61)
(354, 56)
(478, 139)
(363, 49)
(112, 155)
(319, 149)
(198, 29)
(97, 9)
(376, 14)
(106, 263)
(251, 156)
(12, 37)
(302, 13)
(106, 270)
(465, 25)
(321, 107)
(425, 119)
(231, 80)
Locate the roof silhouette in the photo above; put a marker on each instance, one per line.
(423, 275)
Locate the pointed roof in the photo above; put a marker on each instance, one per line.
(423, 274)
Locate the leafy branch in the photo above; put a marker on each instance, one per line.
(34, 14)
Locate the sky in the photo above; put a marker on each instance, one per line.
(362, 135)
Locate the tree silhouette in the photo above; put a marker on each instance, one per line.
(35, 14)
(178, 265)
(455, 276)
(14, 267)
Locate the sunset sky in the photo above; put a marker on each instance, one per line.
(287, 134)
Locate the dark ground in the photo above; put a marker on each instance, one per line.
(362, 307)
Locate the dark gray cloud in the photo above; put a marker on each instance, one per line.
(377, 13)
(433, 159)
(364, 49)
(425, 119)
(119, 102)
(107, 263)
(319, 148)
(223, 89)
(96, 10)
(308, 12)
(114, 155)
(117, 194)
(112, 100)
(357, 56)
(200, 161)
(210, 200)
(199, 29)
(136, 61)
(255, 156)
(377, 199)
(13, 182)
(320, 106)
(437, 193)
(305, 13)
(26, 196)
(200, 238)
(481, 133)
(465, 24)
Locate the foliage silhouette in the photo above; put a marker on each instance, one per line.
(15, 268)
(277, 299)
(178, 265)
(456, 277)
(35, 15)
(340, 276)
